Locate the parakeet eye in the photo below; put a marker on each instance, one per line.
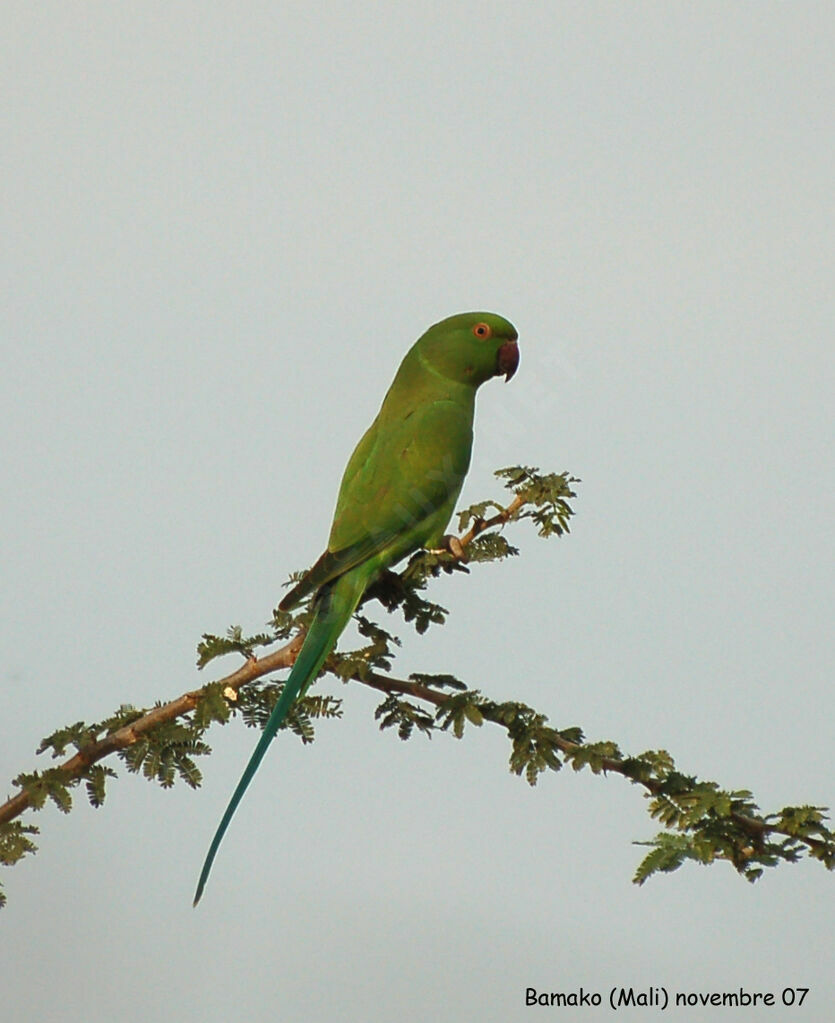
(482, 330)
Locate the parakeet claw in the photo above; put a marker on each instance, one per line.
(450, 544)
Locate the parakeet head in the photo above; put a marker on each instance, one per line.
(471, 347)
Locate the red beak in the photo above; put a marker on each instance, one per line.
(507, 361)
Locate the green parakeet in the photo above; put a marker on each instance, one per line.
(397, 494)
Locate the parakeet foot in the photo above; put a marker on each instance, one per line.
(450, 544)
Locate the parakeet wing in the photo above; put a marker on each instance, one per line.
(398, 491)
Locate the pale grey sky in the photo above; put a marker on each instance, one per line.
(223, 225)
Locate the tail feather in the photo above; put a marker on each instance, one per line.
(334, 610)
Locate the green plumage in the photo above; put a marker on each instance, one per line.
(397, 495)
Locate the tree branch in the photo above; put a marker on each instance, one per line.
(75, 766)
(757, 828)
(254, 668)
(709, 823)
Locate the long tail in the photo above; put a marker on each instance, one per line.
(335, 607)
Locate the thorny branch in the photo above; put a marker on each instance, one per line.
(759, 840)
(758, 829)
(254, 668)
(76, 765)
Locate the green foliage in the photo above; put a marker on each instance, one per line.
(53, 783)
(234, 642)
(652, 763)
(477, 513)
(805, 821)
(359, 663)
(285, 623)
(166, 753)
(668, 854)
(78, 735)
(545, 497)
(14, 845)
(395, 712)
(81, 736)
(213, 705)
(460, 708)
(404, 592)
(534, 744)
(490, 547)
(716, 824)
(255, 704)
(96, 777)
(595, 755)
(704, 823)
